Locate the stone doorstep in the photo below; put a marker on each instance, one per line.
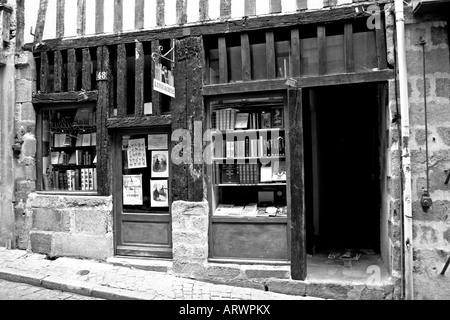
(72, 286)
(156, 265)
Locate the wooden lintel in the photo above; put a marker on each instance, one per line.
(65, 97)
(139, 122)
(5, 7)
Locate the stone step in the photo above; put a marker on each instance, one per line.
(156, 265)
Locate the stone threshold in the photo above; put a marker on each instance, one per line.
(147, 264)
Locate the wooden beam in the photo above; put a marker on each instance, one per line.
(86, 70)
(296, 190)
(44, 85)
(122, 85)
(225, 9)
(204, 10)
(295, 65)
(381, 44)
(59, 65)
(65, 97)
(302, 4)
(118, 15)
(246, 59)
(20, 31)
(270, 55)
(250, 8)
(160, 14)
(223, 60)
(139, 14)
(348, 48)
(156, 96)
(138, 122)
(60, 14)
(275, 6)
(139, 82)
(322, 45)
(72, 76)
(304, 82)
(99, 16)
(40, 23)
(81, 18)
(181, 11)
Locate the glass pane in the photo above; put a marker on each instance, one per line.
(69, 149)
(335, 54)
(234, 63)
(309, 56)
(146, 164)
(364, 51)
(282, 52)
(214, 66)
(259, 64)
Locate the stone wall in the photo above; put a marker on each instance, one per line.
(431, 228)
(71, 226)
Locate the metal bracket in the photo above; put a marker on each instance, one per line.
(159, 55)
(445, 267)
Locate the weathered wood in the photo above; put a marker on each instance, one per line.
(305, 82)
(179, 121)
(322, 46)
(72, 75)
(58, 78)
(139, 80)
(122, 84)
(348, 48)
(160, 14)
(20, 30)
(86, 70)
(204, 10)
(256, 23)
(81, 18)
(60, 14)
(39, 151)
(250, 8)
(246, 59)
(118, 15)
(65, 97)
(103, 106)
(99, 16)
(302, 4)
(44, 85)
(223, 60)
(275, 6)
(139, 122)
(139, 14)
(156, 96)
(40, 22)
(295, 65)
(225, 9)
(295, 190)
(381, 44)
(5, 24)
(270, 55)
(181, 11)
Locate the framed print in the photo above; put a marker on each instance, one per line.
(132, 190)
(277, 117)
(137, 156)
(158, 142)
(160, 164)
(265, 120)
(159, 193)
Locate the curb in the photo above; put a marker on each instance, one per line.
(72, 286)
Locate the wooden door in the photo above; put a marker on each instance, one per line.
(142, 196)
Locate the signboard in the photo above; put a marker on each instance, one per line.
(132, 190)
(164, 82)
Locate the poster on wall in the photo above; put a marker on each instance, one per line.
(132, 190)
(158, 142)
(137, 156)
(159, 193)
(160, 164)
(164, 81)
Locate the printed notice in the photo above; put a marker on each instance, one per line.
(137, 156)
(132, 190)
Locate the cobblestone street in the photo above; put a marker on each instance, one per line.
(20, 291)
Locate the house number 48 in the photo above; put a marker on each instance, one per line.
(102, 75)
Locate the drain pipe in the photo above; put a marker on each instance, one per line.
(406, 154)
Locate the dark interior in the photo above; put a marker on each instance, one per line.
(342, 167)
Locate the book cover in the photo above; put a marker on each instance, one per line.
(54, 157)
(83, 179)
(95, 178)
(91, 179)
(236, 211)
(266, 173)
(279, 171)
(77, 179)
(93, 139)
(230, 174)
(250, 210)
(86, 140)
(73, 159)
(79, 141)
(223, 209)
(241, 121)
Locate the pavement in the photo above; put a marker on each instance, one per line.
(111, 282)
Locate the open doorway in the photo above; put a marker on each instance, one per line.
(342, 168)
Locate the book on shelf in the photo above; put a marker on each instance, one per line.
(77, 179)
(250, 210)
(236, 211)
(73, 159)
(79, 141)
(214, 120)
(230, 174)
(266, 173)
(54, 156)
(95, 178)
(266, 122)
(225, 119)
(223, 209)
(279, 171)
(241, 120)
(94, 139)
(86, 142)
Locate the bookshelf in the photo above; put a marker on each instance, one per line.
(248, 174)
(69, 149)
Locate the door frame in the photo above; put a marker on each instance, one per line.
(157, 251)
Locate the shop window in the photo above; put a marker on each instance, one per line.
(67, 149)
(364, 42)
(282, 53)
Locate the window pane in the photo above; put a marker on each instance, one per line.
(213, 66)
(69, 149)
(234, 63)
(282, 52)
(364, 51)
(335, 54)
(309, 56)
(259, 64)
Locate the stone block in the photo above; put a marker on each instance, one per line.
(443, 87)
(292, 287)
(27, 112)
(277, 273)
(335, 291)
(444, 134)
(51, 220)
(84, 246)
(437, 61)
(439, 35)
(91, 221)
(41, 242)
(222, 271)
(29, 145)
(23, 91)
(188, 269)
